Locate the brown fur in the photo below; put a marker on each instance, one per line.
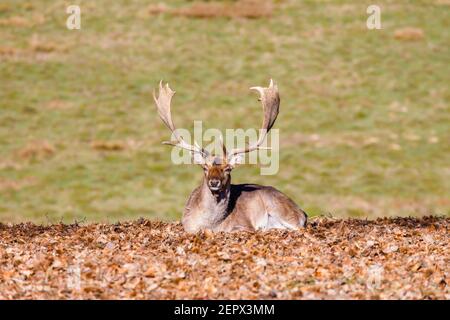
(239, 207)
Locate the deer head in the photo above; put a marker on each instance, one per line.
(217, 169)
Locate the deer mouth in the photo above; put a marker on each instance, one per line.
(215, 189)
(214, 185)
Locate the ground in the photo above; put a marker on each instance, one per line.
(364, 120)
(389, 258)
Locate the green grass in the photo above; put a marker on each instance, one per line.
(379, 105)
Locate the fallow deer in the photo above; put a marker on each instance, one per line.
(218, 205)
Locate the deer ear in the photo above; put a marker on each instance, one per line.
(235, 160)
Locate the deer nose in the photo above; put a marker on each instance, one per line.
(214, 183)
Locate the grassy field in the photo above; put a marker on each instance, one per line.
(364, 122)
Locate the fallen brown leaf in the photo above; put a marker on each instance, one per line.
(388, 258)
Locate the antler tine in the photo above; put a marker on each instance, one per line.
(224, 148)
(163, 102)
(270, 100)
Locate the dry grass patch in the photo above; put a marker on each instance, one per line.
(109, 145)
(36, 150)
(19, 21)
(8, 51)
(443, 2)
(409, 34)
(9, 165)
(157, 8)
(4, 7)
(58, 105)
(101, 145)
(15, 185)
(116, 145)
(15, 21)
(250, 9)
(40, 45)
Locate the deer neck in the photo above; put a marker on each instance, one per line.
(214, 205)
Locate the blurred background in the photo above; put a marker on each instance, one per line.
(364, 122)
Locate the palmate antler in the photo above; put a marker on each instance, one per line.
(163, 105)
(270, 100)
